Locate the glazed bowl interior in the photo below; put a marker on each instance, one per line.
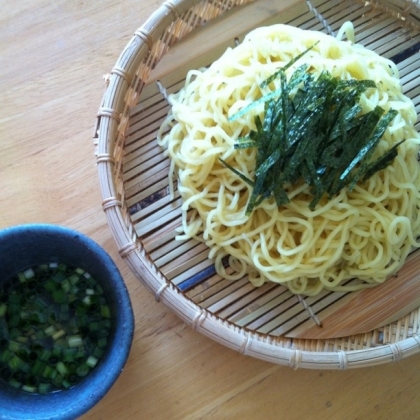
(28, 245)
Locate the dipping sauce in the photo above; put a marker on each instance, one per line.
(54, 327)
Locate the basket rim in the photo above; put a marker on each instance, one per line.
(124, 87)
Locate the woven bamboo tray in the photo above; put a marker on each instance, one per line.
(330, 331)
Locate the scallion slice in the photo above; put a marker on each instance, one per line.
(54, 327)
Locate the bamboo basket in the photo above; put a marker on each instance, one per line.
(260, 322)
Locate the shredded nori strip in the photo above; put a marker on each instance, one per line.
(313, 130)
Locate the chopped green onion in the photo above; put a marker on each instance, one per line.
(14, 383)
(83, 370)
(15, 363)
(98, 352)
(66, 384)
(52, 332)
(58, 334)
(86, 300)
(61, 368)
(29, 273)
(91, 361)
(38, 368)
(69, 355)
(29, 388)
(49, 372)
(59, 296)
(5, 355)
(66, 285)
(105, 311)
(102, 342)
(95, 326)
(57, 380)
(80, 356)
(44, 388)
(14, 346)
(74, 279)
(74, 341)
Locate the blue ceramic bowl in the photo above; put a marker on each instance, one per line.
(28, 245)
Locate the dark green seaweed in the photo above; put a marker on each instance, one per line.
(313, 131)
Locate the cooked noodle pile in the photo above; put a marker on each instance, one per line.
(365, 233)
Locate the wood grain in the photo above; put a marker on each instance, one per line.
(369, 309)
(53, 57)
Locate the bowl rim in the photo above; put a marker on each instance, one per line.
(72, 403)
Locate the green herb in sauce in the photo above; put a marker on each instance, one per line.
(54, 327)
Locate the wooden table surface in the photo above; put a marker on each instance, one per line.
(53, 56)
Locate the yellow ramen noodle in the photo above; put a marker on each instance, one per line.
(365, 233)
